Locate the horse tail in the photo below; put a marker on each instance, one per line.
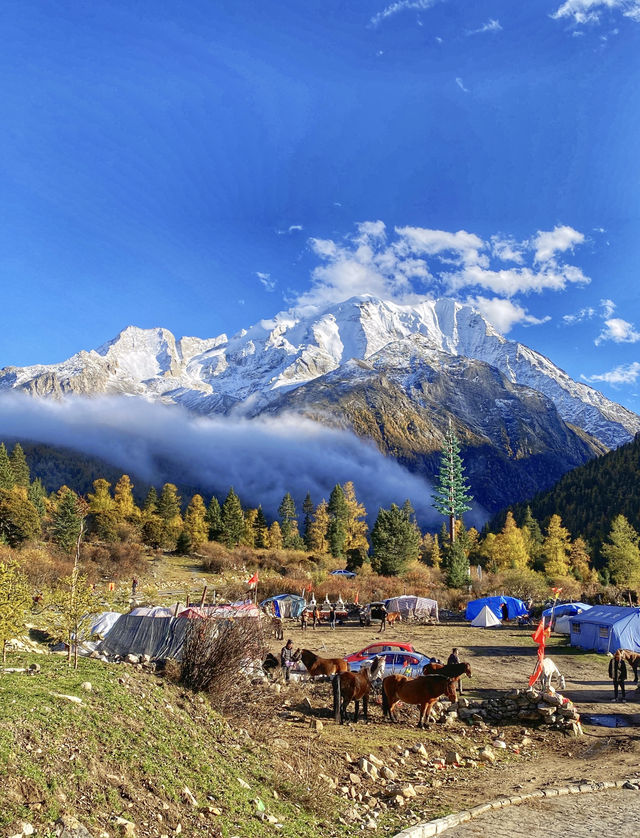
(385, 703)
(336, 697)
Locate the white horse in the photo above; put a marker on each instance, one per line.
(549, 669)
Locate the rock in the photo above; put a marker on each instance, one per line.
(354, 778)
(69, 827)
(127, 828)
(188, 797)
(33, 669)
(499, 743)
(145, 659)
(72, 698)
(420, 749)
(452, 758)
(398, 801)
(280, 743)
(132, 658)
(387, 773)
(28, 829)
(526, 740)
(408, 791)
(487, 755)
(375, 761)
(243, 783)
(317, 725)
(86, 686)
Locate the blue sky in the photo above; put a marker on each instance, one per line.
(202, 165)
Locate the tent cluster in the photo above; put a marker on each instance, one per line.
(487, 612)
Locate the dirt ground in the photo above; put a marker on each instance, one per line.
(501, 659)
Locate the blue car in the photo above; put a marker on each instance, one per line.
(397, 663)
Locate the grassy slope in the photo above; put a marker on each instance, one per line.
(129, 750)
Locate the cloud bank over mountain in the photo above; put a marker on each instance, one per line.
(261, 458)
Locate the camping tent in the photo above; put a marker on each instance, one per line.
(515, 607)
(289, 605)
(159, 637)
(103, 623)
(485, 619)
(566, 608)
(563, 624)
(156, 610)
(412, 606)
(607, 628)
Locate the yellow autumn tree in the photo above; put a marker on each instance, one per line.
(195, 522)
(510, 548)
(318, 542)
(355, 524)
(555, 548)
(124, 503)
(275, 536)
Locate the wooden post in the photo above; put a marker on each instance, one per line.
(204, 593)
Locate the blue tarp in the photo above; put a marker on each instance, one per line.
(348, 573)
(289, 605)
(515, 607)
(607, 628)
(566, 608)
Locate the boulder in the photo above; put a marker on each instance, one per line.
(69, 827)
(452, 758)
(487, 755)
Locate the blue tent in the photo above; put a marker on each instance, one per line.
(607, 628)
(566, 608)
(348, 573)
(515, 607)
(289, 605)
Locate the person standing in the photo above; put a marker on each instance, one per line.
(504, 610)
(332, 616)
(618, 673)
(383, 618)
(303, 621)
(315, 616)
(286, 658)
(453, 658)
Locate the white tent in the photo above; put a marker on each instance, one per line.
(103, 623)
(563, 624)
(413, 606)
(486, 619)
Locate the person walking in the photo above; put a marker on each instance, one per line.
(618, 673)
(332, 616)
(286, 658)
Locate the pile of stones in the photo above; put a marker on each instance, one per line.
(536, 707)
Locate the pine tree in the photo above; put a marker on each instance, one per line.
(622, 554)
(67, 519)
(275, 536)
(37, 495)
(318, 530)
(151, 501)
(19, 467)
(456, 566)
(7, 480)
(308, 509)
(214, 519)
(261, 530)
(580, 560)
(356, 526)
(195, 523)
(232, 520)
(451, 496)
(533, 539)
(337, 530)
(152, 530)
(289, 521)
(395, 541)
(169, 514)
(556, 548)
(19, 519)
(14, 601)
(183, 542)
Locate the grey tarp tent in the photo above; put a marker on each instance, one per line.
(158, 637)
(413, 606)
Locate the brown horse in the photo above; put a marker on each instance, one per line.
(423, 691)
(354, 686)
(448, 670)
(394, 617)
(633, 658)
(322, 666)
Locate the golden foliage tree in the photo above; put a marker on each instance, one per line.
(357, 528)
(195, 522)
(318, 541)
(555, 547)
(14, 601)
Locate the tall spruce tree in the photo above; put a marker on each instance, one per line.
(308, 510)
(232, 520)
(451, 496)
(261, 529)
(19, 467)
(67, 520)
(7, 480)
(288, 522)
(37, 494)
(456, 565)
(151, 501)
(214, 519)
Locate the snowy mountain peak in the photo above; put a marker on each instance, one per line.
(294, 348)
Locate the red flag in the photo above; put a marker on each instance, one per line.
(539, 634)
(253, 580)
(309, 588)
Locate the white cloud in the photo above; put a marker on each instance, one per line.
(579, 316)
(558, 240)
(608, 307)
(619, 331)
(292, 228)
(265, 280)
(504, 314)
(401, 6)
(460, 84)
(623, 374)
(489, 26)
(411, 262)
(584, 12)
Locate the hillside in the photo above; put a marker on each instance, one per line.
(589, 497)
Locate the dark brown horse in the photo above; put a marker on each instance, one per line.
(322, 666)
(633, 658)
(423, 691)
(448, 670)
(354, 686)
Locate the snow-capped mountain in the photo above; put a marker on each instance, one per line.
(251, 370)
